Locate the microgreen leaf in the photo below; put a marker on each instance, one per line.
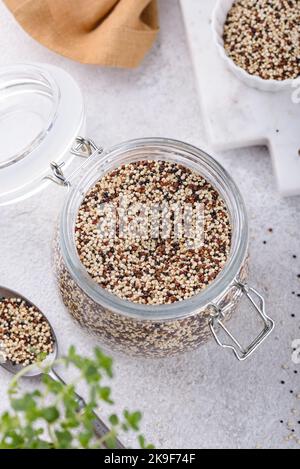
(50, 414)
(114, 419)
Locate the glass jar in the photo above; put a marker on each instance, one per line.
(146, 330)
(156, 330)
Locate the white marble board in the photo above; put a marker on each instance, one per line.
(239, 116)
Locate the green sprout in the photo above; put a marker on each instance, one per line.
(50, 418)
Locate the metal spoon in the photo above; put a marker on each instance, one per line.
(100, 428)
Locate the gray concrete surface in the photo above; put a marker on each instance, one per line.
(206, 398)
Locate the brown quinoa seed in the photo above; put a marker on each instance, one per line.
(145, 269)
(262, 37)
(24, 332)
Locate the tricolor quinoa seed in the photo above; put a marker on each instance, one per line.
(263, 37)
(146, 269)
(24, 332)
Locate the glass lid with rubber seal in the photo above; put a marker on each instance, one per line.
(41, 114)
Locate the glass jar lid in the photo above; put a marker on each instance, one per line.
(41, 113)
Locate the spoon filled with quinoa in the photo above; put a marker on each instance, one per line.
(26, 336)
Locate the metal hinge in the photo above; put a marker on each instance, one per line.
(82, 147)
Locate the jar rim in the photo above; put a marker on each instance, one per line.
(179, 309)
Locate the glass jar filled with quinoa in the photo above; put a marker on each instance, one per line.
(151, 250)
(128, 268)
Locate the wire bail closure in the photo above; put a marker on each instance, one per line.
(82, 147)
(217, 315)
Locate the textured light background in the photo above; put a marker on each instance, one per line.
(204, 398)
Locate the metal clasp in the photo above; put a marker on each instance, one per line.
(217, 315)
(85, 147)
(58, 176)
(82, 147)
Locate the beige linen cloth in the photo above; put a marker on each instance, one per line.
(115, 33)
